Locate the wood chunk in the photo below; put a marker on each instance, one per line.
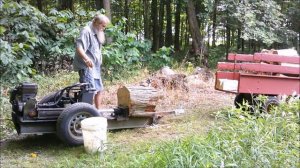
(138, 98)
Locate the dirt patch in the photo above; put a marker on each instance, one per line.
(194, 93)
(178, 91)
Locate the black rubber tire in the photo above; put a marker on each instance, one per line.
(270, 103)
(48, 98)
(68, 126)
(239, 98)
(15, 121)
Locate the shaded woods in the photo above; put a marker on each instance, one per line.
(38, 36)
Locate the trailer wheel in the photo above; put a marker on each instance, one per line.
(270, 103)
(243, 97)
(68, 126)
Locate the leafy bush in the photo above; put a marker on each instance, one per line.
(33, 43)
(126, 54)
(19, 34)
(161, 58)
(215, 55)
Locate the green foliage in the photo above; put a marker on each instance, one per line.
(259, 20)
(160, 58)
(215, 55)
(32, 42)
(243, 140)
(6, 125)
(126, 54)
(18, 37)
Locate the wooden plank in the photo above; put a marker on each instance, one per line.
(227, 75)
(240, 57)
(261, 84)
(276, 58)
(259, 67)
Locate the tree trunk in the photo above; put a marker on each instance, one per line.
(239, 39)
(169, 36)
(177, 26)
(243, 45)
(198, 44)
(298, 42)
(138, 98)
(146, 20)
(155, 42)
(39, 5)
(182, 33)
(66, 4)
(254, 46)
(227, 38)
(214, 24)
(106, 5)
(187, 32)
(208, 46)
(126, 14)
(161, 23)
(249, 46)
(99, 4)
(232, 39)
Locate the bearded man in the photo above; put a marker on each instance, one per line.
(88, 56)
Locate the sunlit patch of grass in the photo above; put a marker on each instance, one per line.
(48, 84)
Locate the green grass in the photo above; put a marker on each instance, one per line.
(237, 140)
(126, 148)
(195, 139)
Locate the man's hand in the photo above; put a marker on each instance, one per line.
(89, 63)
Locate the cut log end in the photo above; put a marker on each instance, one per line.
(138, 98)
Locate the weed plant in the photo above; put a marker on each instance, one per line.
(239, 140)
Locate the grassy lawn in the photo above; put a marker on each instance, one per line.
(123, 146)
(209, 134)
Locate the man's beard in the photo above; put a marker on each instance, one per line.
(101, 36)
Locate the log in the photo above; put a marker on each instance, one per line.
(138, 98)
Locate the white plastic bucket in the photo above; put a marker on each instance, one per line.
(94, 134)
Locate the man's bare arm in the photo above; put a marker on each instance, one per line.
(84, 57)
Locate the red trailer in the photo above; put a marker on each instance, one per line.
(259, 74)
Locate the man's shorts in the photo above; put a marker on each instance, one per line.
(85, 76)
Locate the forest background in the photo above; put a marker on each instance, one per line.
(37, 43)
(37, 36)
